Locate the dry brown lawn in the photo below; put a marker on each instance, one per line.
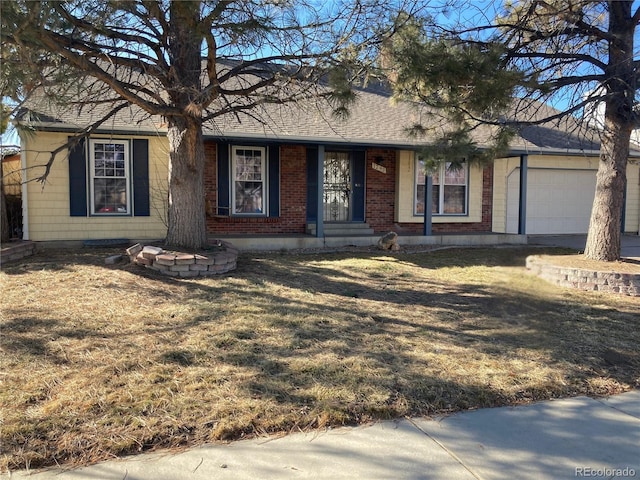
(99, 361)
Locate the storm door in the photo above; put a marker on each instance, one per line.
(337, 187)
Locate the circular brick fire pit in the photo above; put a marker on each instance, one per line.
(222, 258)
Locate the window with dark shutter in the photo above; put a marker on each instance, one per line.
(141, 193)
(109, 177)
(248, 180)
(78, 180)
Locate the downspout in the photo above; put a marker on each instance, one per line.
(24, 189)
(639, 201)
(623, 215)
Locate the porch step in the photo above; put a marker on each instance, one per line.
(342, 229)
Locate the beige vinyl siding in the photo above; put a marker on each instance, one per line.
(501, 169)
(632, 211)
(405, 191)
(48, 204)
(506, 168)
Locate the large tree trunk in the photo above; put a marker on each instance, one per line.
(603, 240)
(186, 215)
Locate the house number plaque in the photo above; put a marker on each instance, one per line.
(378, 167)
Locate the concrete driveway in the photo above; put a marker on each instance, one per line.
(630, 243)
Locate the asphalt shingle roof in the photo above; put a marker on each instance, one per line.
(374, 119)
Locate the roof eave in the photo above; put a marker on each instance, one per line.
(310, 140)
(69, 128)
(303, 140)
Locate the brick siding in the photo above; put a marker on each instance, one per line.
(379, 208)
(293, 198)
(381, 189)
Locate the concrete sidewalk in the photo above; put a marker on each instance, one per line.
(571, 438)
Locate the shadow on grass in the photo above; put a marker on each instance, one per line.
(59, 260)
(27, 335)
(289, 342)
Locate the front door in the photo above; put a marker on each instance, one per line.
(343, 184)
(337, 187)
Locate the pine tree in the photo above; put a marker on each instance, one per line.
(576, 55)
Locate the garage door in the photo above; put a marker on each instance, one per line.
(558, 200)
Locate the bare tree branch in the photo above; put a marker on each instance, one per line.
(75, 139)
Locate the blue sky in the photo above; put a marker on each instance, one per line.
(10, 137)
(478, 12)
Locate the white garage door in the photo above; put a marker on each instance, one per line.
(558, 200)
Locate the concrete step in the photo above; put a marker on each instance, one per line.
(342, 229)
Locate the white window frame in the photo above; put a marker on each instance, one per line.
(263, 179)
(92, 175)
(418, 167)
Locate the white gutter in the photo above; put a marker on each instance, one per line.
(639, 203)
(25, 190)
(336, 139)
(146, 130)
(391, 143)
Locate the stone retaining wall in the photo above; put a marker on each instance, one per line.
(590, 280)
(178, 264)
(15, 251)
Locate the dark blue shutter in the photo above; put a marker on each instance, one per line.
(224, 173)
(274, 180)
(312, 184)
(78, 180)
(141, 178)
(359, 167)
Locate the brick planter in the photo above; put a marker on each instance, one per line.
(222, 259)
(583, 279)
